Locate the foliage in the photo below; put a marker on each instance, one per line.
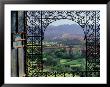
(60, 61)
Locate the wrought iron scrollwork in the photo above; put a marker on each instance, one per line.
(37, 22)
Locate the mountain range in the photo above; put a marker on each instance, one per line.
(65, 31)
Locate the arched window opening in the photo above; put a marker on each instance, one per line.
(64, 47)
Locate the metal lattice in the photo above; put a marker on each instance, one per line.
(37, 22)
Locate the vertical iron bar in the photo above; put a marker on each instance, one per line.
(95, 39)
(86, 43)
(12, 31)
(32, 46)
(17, 63)
(17, 66)
(25, 43)
(12, 40)
(41, 45)
(16, 21)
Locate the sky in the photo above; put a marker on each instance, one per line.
(62, 22)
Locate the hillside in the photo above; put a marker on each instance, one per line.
(64, 32)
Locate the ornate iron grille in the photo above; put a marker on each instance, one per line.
(36, 23)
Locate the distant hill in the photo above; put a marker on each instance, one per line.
(63, 32)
